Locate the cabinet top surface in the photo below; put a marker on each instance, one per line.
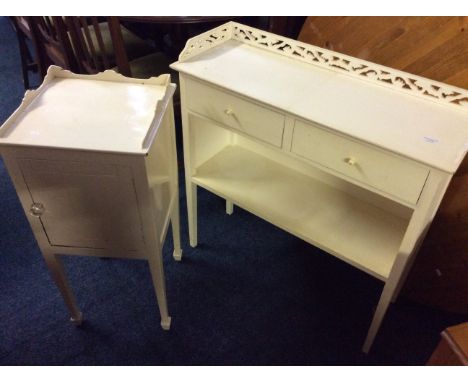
(434, 133)
(82, 112)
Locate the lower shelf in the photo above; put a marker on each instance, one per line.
(355, 231)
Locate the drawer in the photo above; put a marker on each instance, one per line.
(249, 118)
(384, 171)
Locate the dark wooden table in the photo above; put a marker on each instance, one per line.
(171, 32)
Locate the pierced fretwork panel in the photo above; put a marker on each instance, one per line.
(351, 65)
(206, 41)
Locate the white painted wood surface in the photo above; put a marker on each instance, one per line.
(117, 119)
(348, 155)
(361, 162)
(246, 116)
(320, 214)
(93, 160)
(421, 129)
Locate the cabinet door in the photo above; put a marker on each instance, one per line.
(84, 204)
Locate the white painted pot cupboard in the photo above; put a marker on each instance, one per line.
(93, 160)
(350, 156)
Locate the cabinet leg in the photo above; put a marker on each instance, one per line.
(157, 274)
(402, 280)
(175, 222)
(57, 272)
(229, 207)
(379, 314)
(407, 269)
(191, 190)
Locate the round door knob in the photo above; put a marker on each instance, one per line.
(351, 161)
(37, 209)
(229, 111)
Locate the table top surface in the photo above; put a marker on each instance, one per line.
(87, 114)
(429, 132)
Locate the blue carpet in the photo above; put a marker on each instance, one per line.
(250, 294)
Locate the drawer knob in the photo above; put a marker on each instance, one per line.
(229, 111)
(351, 161)
(37, 209)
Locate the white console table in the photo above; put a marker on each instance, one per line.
(350, 156)
(93, 160)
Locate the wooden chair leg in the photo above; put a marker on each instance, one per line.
(25, 58)
(24, 65)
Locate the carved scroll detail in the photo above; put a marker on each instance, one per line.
(353, 66)
(108, 75)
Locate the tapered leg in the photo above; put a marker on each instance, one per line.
(402, 279)
(157, 274)
(191, 190)
(229, 207)
(406, 271)
(176, 229)
(430, 198)
(379, 314)
(58, 275)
